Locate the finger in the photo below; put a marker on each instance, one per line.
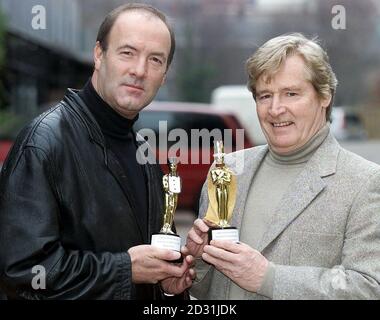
(188, 282)
(209, 224)
(183, 284)
(189, 277)
(194, 236)
(189, 259)
(220, 265)
(185, 251)
(219, 253)
(201, 225)
(211, 259)
(227, 245)
(175, 270)
(192, 273)
(187, 256)
(166, 254)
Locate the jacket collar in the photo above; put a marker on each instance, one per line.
(300, 194)
(73, 99)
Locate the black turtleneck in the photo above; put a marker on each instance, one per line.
(120, 140)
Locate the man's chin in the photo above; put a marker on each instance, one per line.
(128, 108)
(282, 145)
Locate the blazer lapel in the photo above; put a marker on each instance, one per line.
(245, 169)
(303, 190)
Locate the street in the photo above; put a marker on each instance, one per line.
(369, 150)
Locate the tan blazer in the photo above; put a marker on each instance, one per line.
(324, 238)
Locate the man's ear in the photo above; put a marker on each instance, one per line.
(325, 102)
(98, 55)
(163, 79)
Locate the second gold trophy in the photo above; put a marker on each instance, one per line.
(222, 195)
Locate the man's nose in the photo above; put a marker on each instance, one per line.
(277, 107)
(139, 68)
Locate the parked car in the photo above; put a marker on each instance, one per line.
(13, 124)
(5, 146)
(347, 124)
(238, 100)
(190, 116)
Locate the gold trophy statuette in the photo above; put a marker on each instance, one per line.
(222, 190)
(171, 183)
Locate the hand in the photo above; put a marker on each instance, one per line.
(150, 264)
(239, 262)
(174, 285)
(197, 238)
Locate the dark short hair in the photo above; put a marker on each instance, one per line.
(109, 20)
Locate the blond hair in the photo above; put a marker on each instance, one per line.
(269, 57)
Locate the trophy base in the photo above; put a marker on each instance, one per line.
(228, 233)
(167, 241)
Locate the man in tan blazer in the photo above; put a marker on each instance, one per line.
(308, 211)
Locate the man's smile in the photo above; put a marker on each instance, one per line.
(282, 124)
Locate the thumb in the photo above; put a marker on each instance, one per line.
(166, 254)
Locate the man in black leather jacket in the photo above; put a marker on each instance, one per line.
(74, 201)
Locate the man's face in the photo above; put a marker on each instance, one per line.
(129, 73)
(288, 107)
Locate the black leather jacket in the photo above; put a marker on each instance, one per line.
(65, 205)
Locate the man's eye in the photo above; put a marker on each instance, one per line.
(263, 97)
(126, 53)
(157, 60)
(291, 94)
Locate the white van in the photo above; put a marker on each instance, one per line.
(238, 99)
